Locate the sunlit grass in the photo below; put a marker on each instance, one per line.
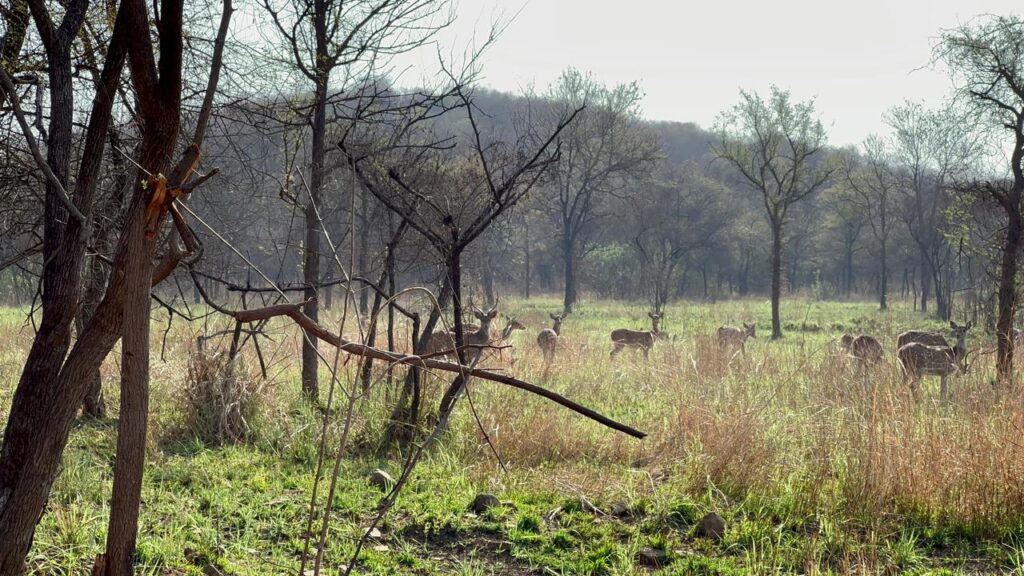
(815, 467)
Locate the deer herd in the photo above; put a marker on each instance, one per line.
(919, 353)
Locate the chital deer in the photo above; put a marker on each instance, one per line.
(928, 338)
(644, 340)
(919, 359)
(547, 339)
(867, 350)
(730, 337)
(502, 339)
(442, 342)
(482, 337)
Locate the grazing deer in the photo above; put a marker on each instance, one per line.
(730, 337)
(547, 339)
(867, 350)
(919, 359)
(846, 342)
(644, 340)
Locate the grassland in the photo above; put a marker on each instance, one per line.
(815, 468)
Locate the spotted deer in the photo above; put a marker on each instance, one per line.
(643, 340)
(547, 339)
(503, 338)
(959, 333)
(477, 341)
(442, 342)
(922, 358)
(730, 337)
(867, 350)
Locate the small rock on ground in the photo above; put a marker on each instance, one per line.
(652, 557)
(621, 510)
(711, 526)
(484, 502)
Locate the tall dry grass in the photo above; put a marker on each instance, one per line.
(787, 419)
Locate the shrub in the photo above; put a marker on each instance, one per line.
(220, 399)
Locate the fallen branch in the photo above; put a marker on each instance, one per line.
(294, 311)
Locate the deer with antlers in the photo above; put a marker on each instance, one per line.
(923, 353)
(442, 342)
(643, 340)
(547, 339)
(731, 337)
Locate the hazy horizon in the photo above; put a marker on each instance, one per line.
(691, 59)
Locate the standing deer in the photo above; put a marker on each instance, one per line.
(921, 358)
(442, 342)
(730, 337)
(928, 338)
(644, 340)
(482, 337)
(547, 339)
(502, 339)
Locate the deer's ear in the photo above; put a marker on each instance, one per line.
(969, 325)
(953, 325)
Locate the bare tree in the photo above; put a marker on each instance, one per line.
(676, 215)
(847, 220)
(873, 182)
(777, 147)
(987, 62)
(600, 154)
(931, 149)
(354, 40)
(451, 193)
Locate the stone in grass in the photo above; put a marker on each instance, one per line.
(652, 557)
(711, 526)
(484, 502)
(621, 510)
(380, 479)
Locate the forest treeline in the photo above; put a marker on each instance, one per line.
(676, 222)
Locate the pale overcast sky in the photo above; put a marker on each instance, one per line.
(856, 58)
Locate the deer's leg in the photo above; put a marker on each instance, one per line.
(915, 382)
(616, 349)
(942, 389)
(647, 351)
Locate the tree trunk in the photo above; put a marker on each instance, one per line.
(569, 259)
(526, 275)
(131, 428)
(1008, 294)
(364, 250)
(883, 291)
(94, 280)
(776, 278)
(925, 276)
(51, 387)
(311, 262)
(848, 271)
